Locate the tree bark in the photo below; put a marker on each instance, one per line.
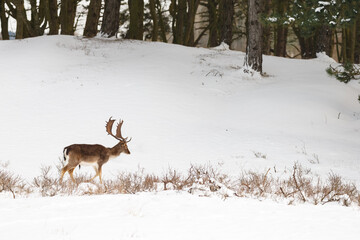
(178, 11)
(161, 22)
(190, 20)
(111, 18)
(155, 29)
(226, 18)
(136, 29)
(4, 21)
(281, 31)
(253, 57)
(357, 39)
(281, 41)
(323, 39)
(266, 42)
(67, 16)
(307, 45)
(20, 14)
(213, 23)
(92, 20)
(53, 17)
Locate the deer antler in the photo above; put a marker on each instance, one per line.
(118, 136)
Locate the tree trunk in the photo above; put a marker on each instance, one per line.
(155, 28)
(179, 15)
(161, 22)
(53, 17)
(226, 18)
(92, 20)
(111, 18)
(281, 30)
(323, 39)
(307, 45)
(35, 19)
(213, 23)
(67, 16)
(136, 29)
(4, 21)
(266, 42)
(357, 39)
(190, 20)
(253, 57)
(281, 41)
(20, 14)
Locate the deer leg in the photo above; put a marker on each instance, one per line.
(97, 173)
(71, 174)
(63, 171)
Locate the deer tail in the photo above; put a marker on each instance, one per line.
(65, 153)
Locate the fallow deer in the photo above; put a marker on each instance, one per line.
(94, 155)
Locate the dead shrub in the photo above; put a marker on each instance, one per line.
(255, 184)
(13, 184)
(132, 183)
(301, 185)
(176, 180)
(337, 191)
(205, 180)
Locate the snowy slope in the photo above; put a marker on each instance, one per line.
(181, 105)
(172, 216)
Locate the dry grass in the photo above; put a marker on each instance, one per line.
(300, 185)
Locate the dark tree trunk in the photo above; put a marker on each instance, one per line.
(348, 46)
(20, 14)
(35, 19)
(253, 57)
(190, 20)
(38, 20)
(266, 43)
(281, 31)
(53, 17)
(4, 21)
(307, 45)
(161, 22)
(213, 23)
(179, 14)
(92, 20)
(67, 16)
(136, 29)
(281, 41)
(323, 39)
(357, 40)
(111, 18)
(226, 18)
(155, 29)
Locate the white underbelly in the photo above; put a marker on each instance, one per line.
(92, 164)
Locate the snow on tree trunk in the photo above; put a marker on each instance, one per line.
(253, 57)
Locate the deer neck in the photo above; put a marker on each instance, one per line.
(115, 150)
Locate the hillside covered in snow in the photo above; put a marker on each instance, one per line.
(181, 106)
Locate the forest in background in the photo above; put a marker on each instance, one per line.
(286, 28)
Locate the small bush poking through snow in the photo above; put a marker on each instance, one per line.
(12, 183)
(301, 185)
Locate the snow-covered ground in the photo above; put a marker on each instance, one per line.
(181, 106)
(169, 215)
